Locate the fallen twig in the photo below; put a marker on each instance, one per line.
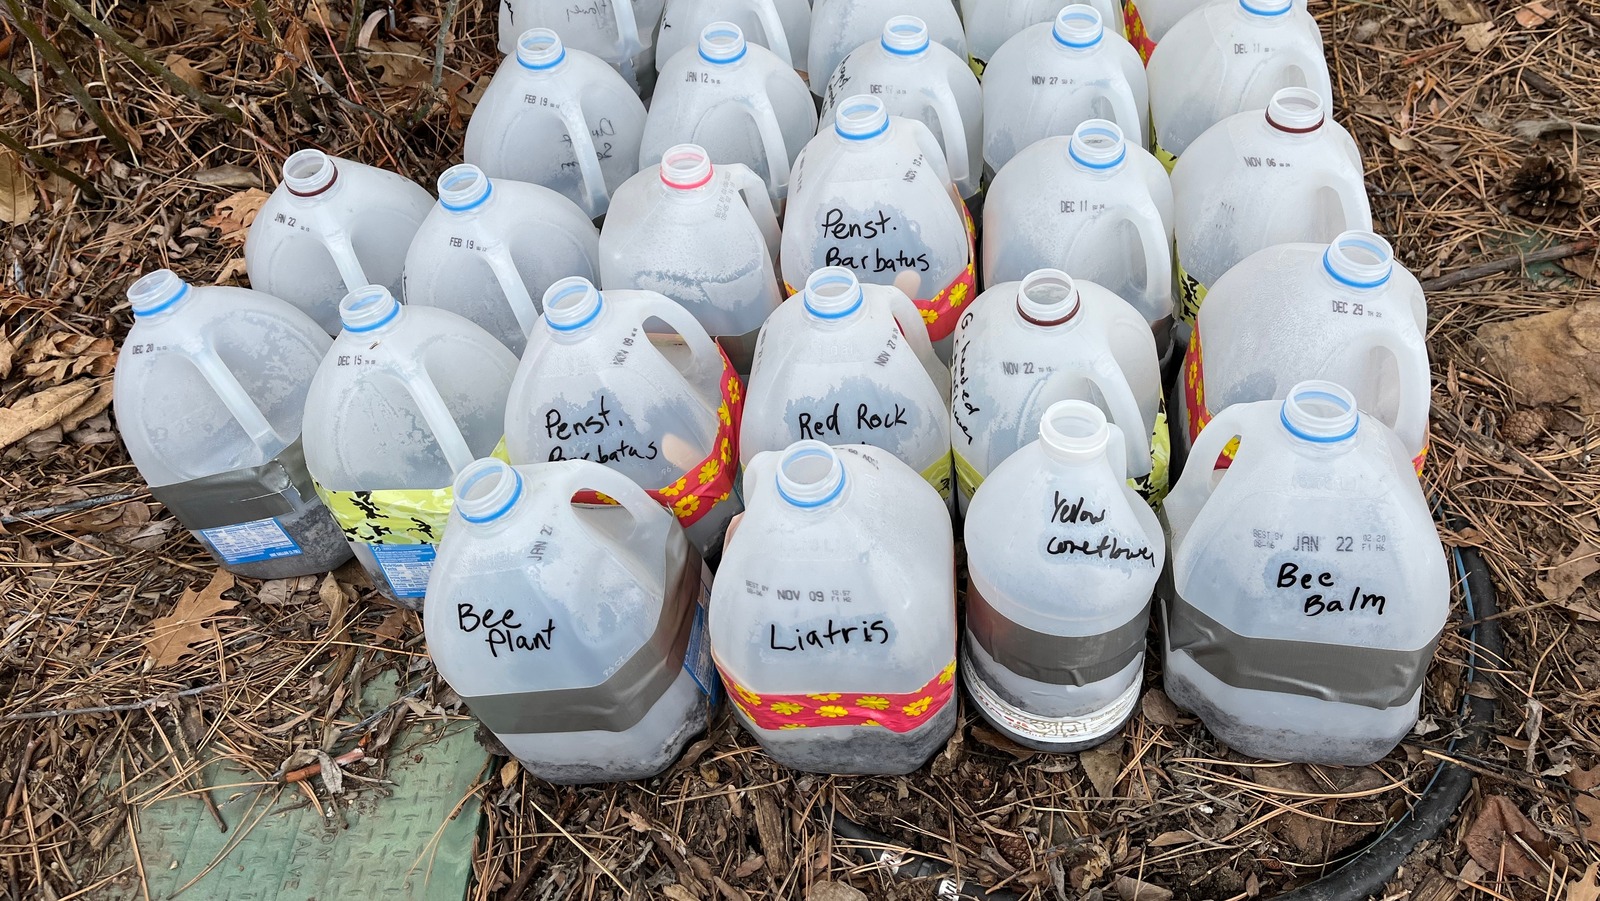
(88, 503)
(1507, 264)
(306, 772)
(30, 30)
(110, 708)
(49, 165)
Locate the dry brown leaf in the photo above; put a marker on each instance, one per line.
(171, 636)
(1584, 780)
(234, 214)
(1587, 888)
(1158, 708)
(750, 865)
(228, 176)
(1565, 577)
(94, 406)
(1534, 14)
(1477, 36)
(61, 355)
(1462, 12)
(679, 893)
(18, 195)
(43, 410)
(1589, 806)
(993, 739)
(1179, 837)
(400, 63)
(185, 70)
(1131, 889)
(827, 890)
(8, 354)
(1548, 358)
(1103, 765)
(1490, 839)
(508, 773)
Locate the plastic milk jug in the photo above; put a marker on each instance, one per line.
(872, 194)
(1152, 19)
(620, 33)
(1092, 205)
(782, 26)
(840, 26)
(1226, 58)
(846, 363)
(209, 391)
(919, 80)
(1344, 312)
(990, 23)
(833, 616)
(1053, 76)
(330, 227)
(739, 101)
(1307, 587)
(705, 236)
(575, 633)
(1062, 562)
(1023, 346)
(558, 117)
(489, 249)
(404, 400)
(661, 410)
(1285, 175)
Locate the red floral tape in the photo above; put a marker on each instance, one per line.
(1136, 34)
(1194, 396)
(710, 481)
(895, 712)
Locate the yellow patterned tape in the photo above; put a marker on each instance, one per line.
(938, 475)
(394, 515)
(1190, 292)
(1152, 487)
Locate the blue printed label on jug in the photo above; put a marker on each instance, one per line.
(251, 542)
(697, 659)
(405, 567)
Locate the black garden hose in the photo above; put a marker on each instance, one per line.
(1365, 875)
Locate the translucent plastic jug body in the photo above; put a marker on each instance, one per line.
(1307, 586)
(405, 399)
(620, 33)
(840, 26)
(737, 100)
(1093, 206)
(558, 117)
(703, 236)
(1284, 175)
(782, 26)
(211, 381)
(330, 227)
(920, 80)
(872, 194)
(1026, 345)
(834, 609)
(1345, 312)
(990, 23)
(593, 385)
(1051, 77)
(1062, 562)
(489, 250)
(844, 363)
(575, 633)
(1226, 58)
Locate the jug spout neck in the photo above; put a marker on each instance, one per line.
(810, 475)
(1048, 298)
(464, 188)
(1074, 431)
(1320, 414)
(862, 120)
(1359, 259)
(832, 294)
(157, 293)
(722, 44)
(905, 37)
(1078, 28)
(370, 311)
(1098, 146)
(1296, 111)
(540, 50)
(571, 305)
(487, 490)
(686, 171)
(1265, 10)
(309, 173)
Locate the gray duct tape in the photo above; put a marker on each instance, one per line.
(275, 488)
(622, 700)
(1054, 659)
(1379, 678)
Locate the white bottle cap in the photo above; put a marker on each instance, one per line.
(1098, 144)
(486, 490)
(905, 36)
(307, 173)
(368, 309)
(1320, 412)
(1359, 259)
(1048, 298)
(685, 167)
(722, 43)
(463, 188)
(571, 303)
(539, 49)
(831, 293)
(1295, 110)
(1074, 431)
(156, 292)
(810, 474)
(1079, 27)
(861, 117)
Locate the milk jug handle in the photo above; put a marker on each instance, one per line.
(759, 201)
(437, 416)
(772, 25)
(952, 128)
(337, 241)
(771, 134)
(628, 44)
(498, 256)
(237, 401)
(1124, 407)
(625, 491)
(1156, 246)
(1196, 484)
(1411, 362)
(1124, 111)
(705, 360)
(1353, 202)
(1117, 451)
(916, 333)
(594, 181)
